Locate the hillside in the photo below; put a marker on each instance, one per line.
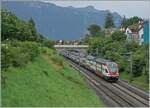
(45, 83)
(57, 22)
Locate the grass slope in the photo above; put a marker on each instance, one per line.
(139, 82)
(41, 83)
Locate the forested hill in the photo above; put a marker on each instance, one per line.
(59, 22)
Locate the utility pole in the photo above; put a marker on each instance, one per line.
(97, 52)
(79, 58)
(131, 65)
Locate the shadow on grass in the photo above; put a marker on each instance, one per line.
(46, 73)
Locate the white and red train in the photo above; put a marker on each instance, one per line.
(106, 69)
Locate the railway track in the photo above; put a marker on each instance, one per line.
(118, 94)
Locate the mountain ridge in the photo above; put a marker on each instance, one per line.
(59, 23)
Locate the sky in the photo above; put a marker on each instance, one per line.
(127, 8)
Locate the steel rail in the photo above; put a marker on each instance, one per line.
(129, 99)
(100, 88)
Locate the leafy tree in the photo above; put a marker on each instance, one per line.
(109, 22)
(48, 43)
(138, 61)
(94, 30)
(32, 29)
(130, 21)
(123, 23)
(131, 46)
(8, 25)
(141, 61)
(14, 28)
(118, 36)
(31, 21)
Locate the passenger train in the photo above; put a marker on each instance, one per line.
(105, 69)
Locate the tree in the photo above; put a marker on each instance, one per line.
(130, 21)
(15, 29)
(94, 30)
(131, 46)
(32, 29)
(31, 21)
(140, 58)
(123, 23)
(109, 22)
(118, 36)
(9, 25)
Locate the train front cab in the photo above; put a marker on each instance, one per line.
(112, 72)
(108, 70)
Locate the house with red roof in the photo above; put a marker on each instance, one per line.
(135, 32)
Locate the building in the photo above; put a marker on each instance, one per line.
(135, 32)
(146, 31)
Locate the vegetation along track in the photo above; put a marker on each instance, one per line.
(113, 94)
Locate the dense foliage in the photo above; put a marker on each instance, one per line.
(15, 29)
(94, 30)
(115, 49)
(20, 40)
(18, 53)
(130, 21)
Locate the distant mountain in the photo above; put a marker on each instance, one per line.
(57, 22)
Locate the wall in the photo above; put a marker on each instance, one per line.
(146, 32)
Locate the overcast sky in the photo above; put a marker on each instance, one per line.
(127, 8)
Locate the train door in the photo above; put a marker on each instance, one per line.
(99, 69)
(104, 70)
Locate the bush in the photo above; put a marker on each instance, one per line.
(5, 58)
(18, 53)
(48, 43)
(140, 61)
(20, 59)
(44, 50)
(118, 36)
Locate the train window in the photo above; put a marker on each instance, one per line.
(106, 70)
(100, 69)
(112, 67)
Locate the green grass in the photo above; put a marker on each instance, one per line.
(139, 82)
(40, 84)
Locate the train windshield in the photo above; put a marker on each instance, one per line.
(112, 67)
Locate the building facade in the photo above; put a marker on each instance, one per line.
(136, 33)
(146, 31)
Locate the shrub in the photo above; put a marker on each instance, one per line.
(5, 58)
(48, 43)
(18, 53)
(20, 59)
(44, 50)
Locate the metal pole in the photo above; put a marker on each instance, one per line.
(79, 59)
(97, 52)
(131, 72)
(131, 65)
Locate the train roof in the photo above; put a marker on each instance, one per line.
(90, 57)
(100, 60)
